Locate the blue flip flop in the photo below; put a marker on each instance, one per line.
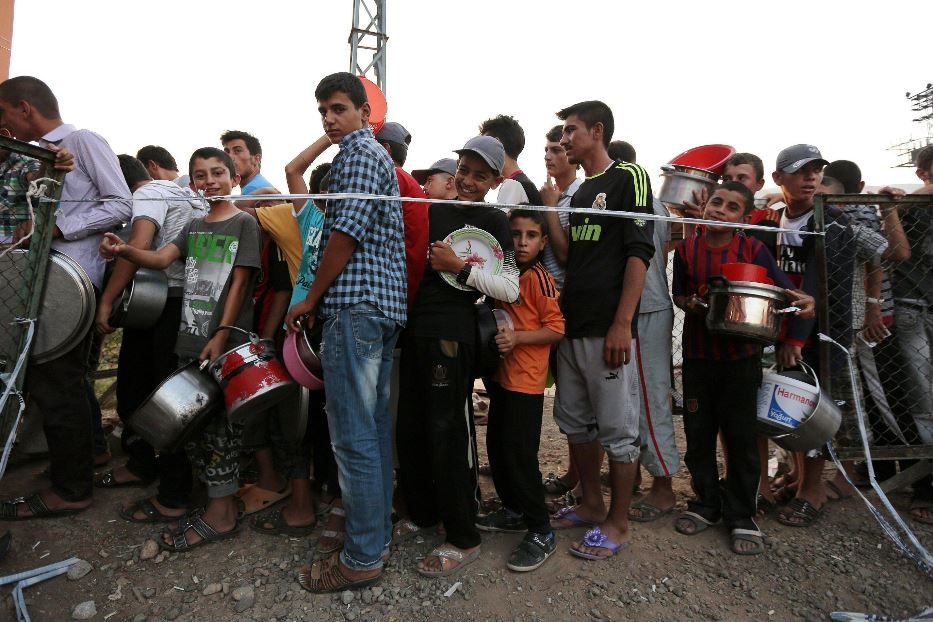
(569, 513)
(595, 538)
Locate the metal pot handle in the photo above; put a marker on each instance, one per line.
(810, 371)
(253, 337)
(719, 280)
(816, 378)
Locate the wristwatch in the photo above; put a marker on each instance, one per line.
(873, 301)
(464, 273)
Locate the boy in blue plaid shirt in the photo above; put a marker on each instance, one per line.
(360, 294)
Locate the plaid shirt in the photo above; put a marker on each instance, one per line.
(13, 186)
(375, 272)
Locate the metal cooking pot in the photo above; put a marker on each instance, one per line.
(751, 311)
(252, 377)
(178, 408)
(679, 182)
(817, 429)
(142, 301)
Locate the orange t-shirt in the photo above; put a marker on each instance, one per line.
(525, 369)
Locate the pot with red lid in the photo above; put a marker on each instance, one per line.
(252, 377)
(746, 310)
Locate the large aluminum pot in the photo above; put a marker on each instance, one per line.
(178, 408)
(751, 311)
(66, 312)
(143, 300)
(795, 412)
(678, 184)
(252, 376)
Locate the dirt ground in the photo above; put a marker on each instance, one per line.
(842, 563)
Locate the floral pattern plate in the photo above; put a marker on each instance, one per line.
(478, 248)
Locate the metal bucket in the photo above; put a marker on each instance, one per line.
(252, 377)
(815, 430)
(178, 408)
(679, 183)
(751, 311)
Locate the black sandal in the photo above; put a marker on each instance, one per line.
(107, 480)
(279, 525)
(194, 521)
(38, 507)
(553, 485)
(147, 507)
(801, 509)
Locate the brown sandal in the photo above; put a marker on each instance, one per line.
(326, 576)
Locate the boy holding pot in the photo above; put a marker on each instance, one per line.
(712, 362)
(221, 252)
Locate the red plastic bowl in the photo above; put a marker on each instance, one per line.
(709, 157)
(377, 104)
(747, 272)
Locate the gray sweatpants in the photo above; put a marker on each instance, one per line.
(653, 393)
(594, 402)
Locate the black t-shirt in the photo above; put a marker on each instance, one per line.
(599, 247)
(534, 197)
(913, 277)
(441, 310)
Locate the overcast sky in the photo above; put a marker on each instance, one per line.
(756, 75)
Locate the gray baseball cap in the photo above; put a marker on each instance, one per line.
(444, 165)
(488, 148)
(394, 133)
(791, 160)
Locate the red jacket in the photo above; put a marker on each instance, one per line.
(415, 216)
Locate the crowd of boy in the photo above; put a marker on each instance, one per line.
(377, 281)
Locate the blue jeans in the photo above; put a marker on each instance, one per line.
(915, 338)
(356, 352)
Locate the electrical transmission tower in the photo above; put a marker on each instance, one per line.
(921, 103)
(368, 41)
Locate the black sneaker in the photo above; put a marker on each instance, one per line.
(533, 551)
(503, 520)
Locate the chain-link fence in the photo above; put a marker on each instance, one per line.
(873, 272)
(878, 288)
(23, 267)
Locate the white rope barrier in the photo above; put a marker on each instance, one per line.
(502, 206)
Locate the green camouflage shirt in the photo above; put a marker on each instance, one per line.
(13, 186)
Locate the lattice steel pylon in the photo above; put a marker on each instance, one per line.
(369, 35)
(922, 103)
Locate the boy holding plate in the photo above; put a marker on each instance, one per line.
(472, 255)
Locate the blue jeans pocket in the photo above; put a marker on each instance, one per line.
(906, 318)
(368, 333)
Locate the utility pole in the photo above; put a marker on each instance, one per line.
(368, 41)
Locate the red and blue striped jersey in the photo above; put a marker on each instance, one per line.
(694, 263)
